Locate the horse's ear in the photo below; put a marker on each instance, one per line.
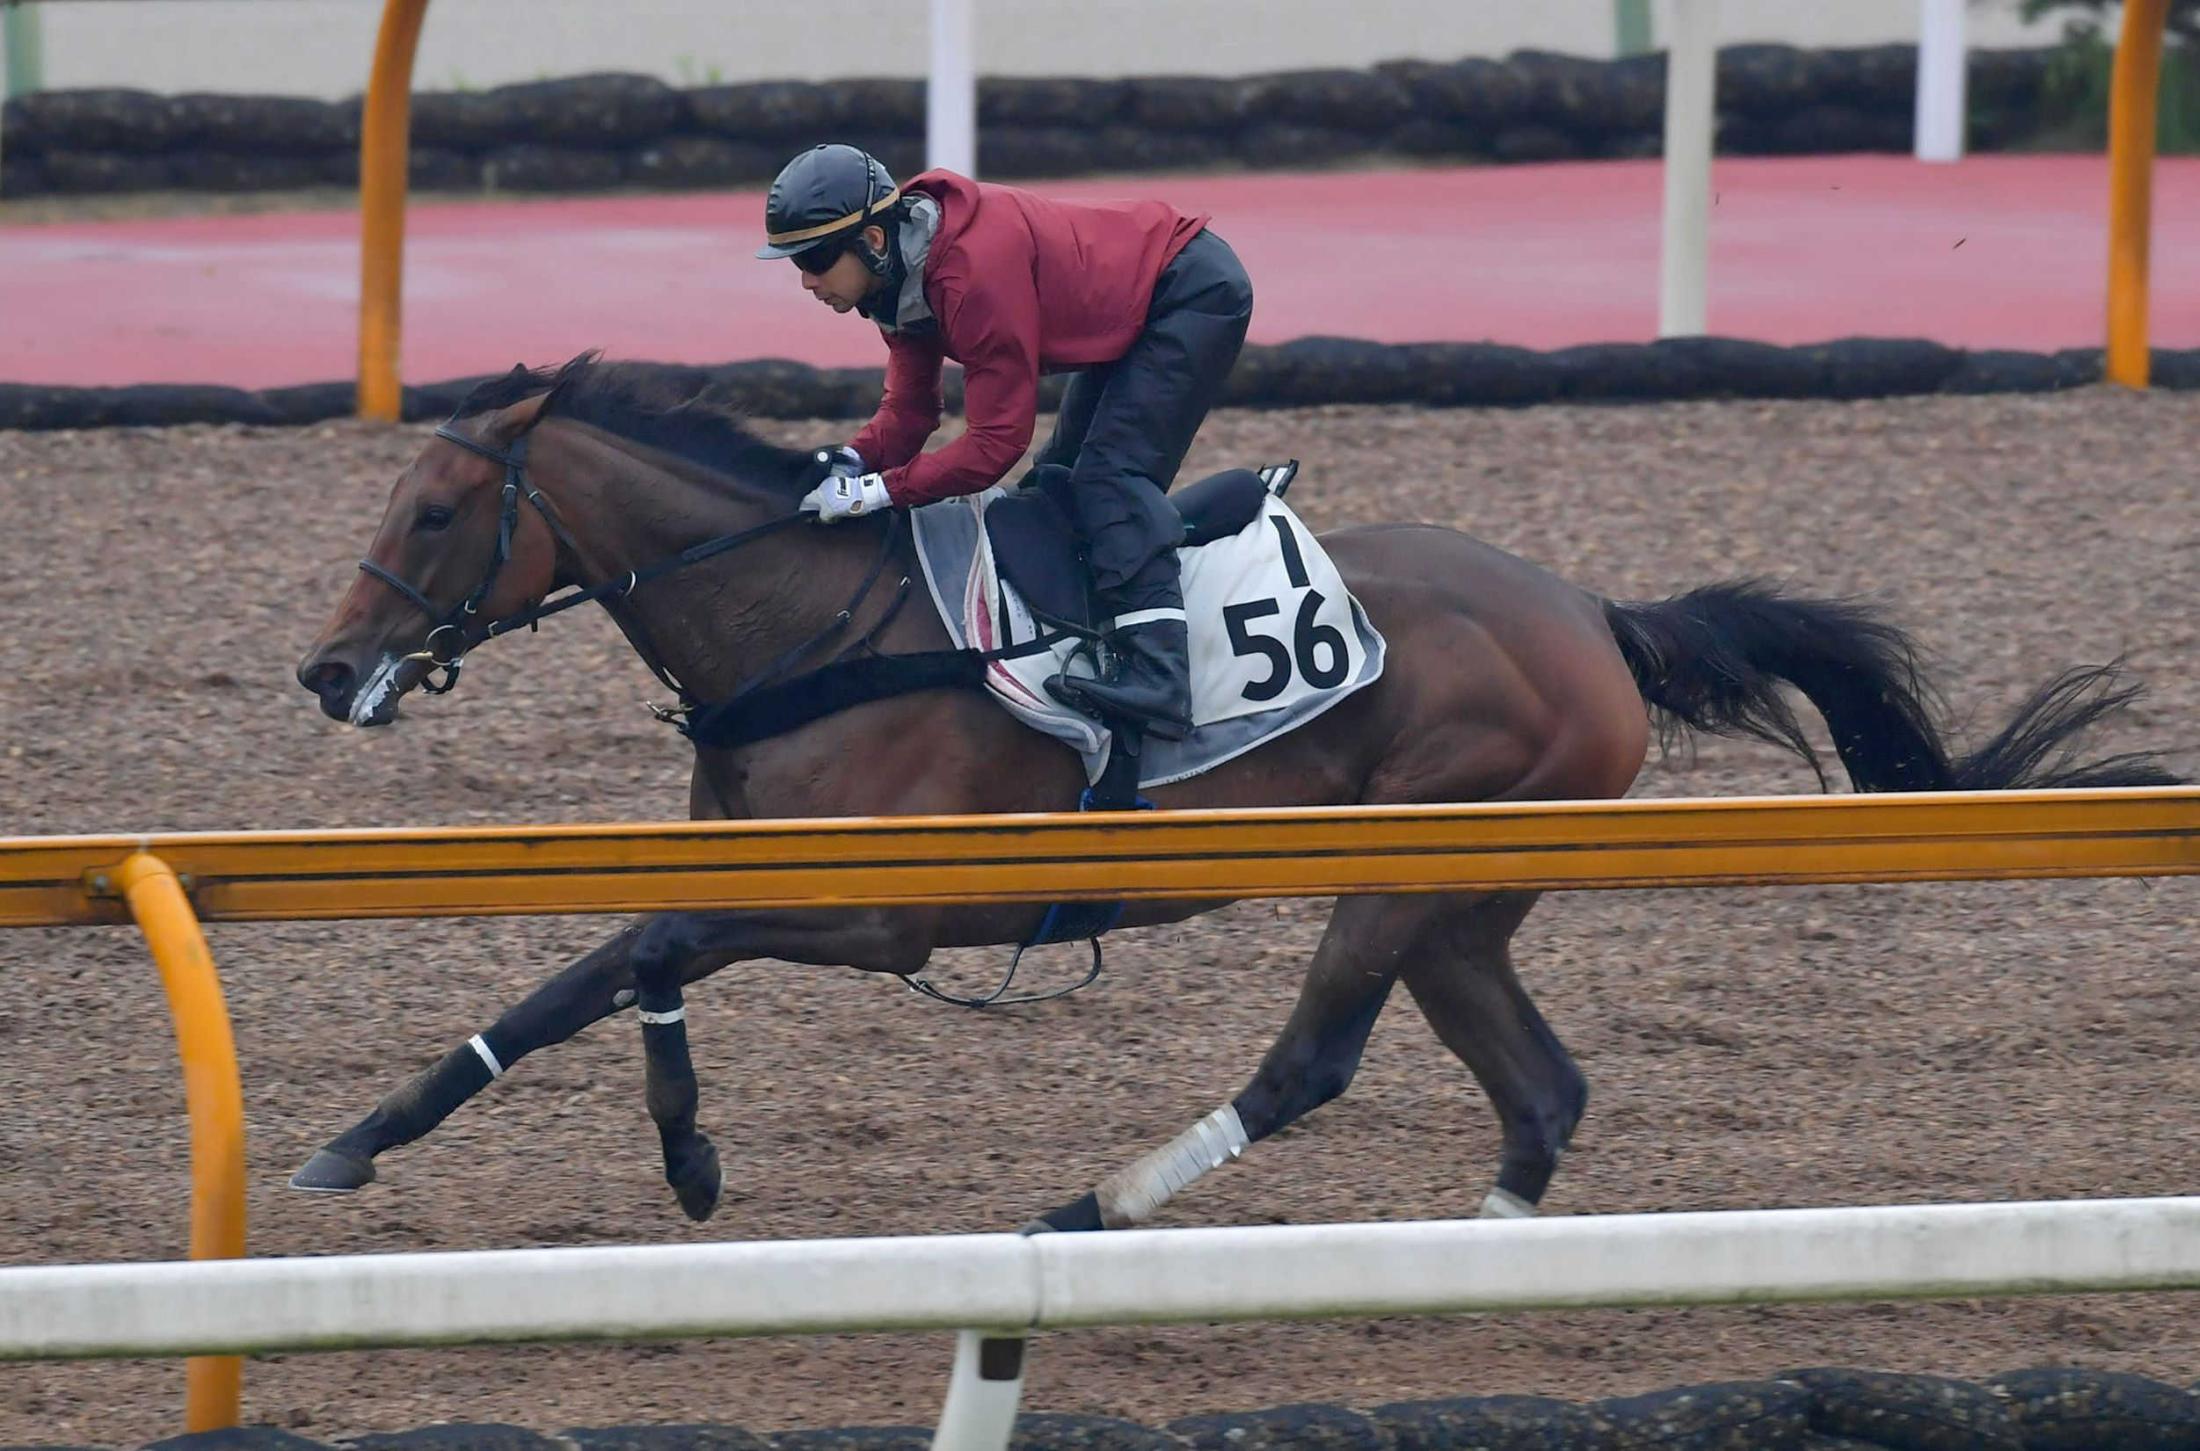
(509, 423)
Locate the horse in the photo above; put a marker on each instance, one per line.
(1502, 682)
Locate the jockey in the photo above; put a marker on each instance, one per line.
(1147, 304)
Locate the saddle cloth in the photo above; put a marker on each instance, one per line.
(1276, 638)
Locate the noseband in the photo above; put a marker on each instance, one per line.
(458, 622)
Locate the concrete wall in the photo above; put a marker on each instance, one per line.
(322, 47)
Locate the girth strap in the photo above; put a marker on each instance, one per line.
(1116, 790)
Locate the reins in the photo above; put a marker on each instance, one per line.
(610, 592)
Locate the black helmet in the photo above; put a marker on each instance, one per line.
(826, 193)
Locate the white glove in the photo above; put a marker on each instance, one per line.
(840, 459)
(845, 496)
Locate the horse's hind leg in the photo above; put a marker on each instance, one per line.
(1463, 981)
(1312, 1062)
(590, 989)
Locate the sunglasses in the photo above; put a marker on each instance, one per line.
(820, 258)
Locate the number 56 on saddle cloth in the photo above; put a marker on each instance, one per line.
(1276, 638)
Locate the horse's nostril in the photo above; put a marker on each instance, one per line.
(329, 679)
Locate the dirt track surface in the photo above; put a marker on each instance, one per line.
(1840, 1045)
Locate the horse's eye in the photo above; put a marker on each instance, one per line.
(432, 518)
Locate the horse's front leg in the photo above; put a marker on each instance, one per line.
(679, 947)
(590, 989)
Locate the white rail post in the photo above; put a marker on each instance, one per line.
(982, 1394)
(951, 92)
(1940, 80)
(1691, 73)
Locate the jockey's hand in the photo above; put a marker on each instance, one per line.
(846, 496)
(826, 462)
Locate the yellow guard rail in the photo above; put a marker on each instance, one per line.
(167, 883)
(1192, 855)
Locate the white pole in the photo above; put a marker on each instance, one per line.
(1691, 69)
(1940, 64)
(1122, 1277)
(988, 1381)
(951, 93)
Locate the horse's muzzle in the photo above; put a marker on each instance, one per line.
(333, 682)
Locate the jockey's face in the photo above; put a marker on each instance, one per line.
(847, 281)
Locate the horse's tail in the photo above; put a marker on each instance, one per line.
(1714, 659)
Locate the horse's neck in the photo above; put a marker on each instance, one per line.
(713, 624)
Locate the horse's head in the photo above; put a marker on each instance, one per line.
(455, 551)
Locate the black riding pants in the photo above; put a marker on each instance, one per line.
(1125, 426)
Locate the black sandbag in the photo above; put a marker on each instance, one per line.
(1186, 103)
(1086, 1433)
(856, 1438)
(1282, 1428)
(1755, 1415)
(455, 1436)
(238, 1438)
(1878, 367)
(1478, 91)
(1343, 100)
(549, 168)
(1495, 1423)
(691, 161)
(608, 109)
(1013, 150)
(2068, 1408)
(664, 1438)
(2004, 370)
(83, 173)
(102, 118)
(1906, 1412)
(766, 110)
(233, 171)
(1049, 101)
(279, 125)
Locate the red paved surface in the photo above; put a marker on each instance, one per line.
(1544, 256)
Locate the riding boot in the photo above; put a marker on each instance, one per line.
(1149, 680)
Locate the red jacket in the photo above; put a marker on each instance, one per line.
(1020, 285)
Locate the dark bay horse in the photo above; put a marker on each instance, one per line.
(1503, 683)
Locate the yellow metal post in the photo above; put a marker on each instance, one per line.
(2130, 186)
(384, 150)
(213, 1384)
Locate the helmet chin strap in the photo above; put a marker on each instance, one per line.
(878, 260)
(884, 298)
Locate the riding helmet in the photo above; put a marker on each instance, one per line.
(825, 194)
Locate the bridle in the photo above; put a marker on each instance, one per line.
(459, 622)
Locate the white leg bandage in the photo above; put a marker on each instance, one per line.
(1504, 1204)
(677, 1015)
(1130, 1195)
(481, 1050)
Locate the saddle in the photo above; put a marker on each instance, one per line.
(1034, 538)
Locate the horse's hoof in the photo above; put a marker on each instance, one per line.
(700, 1184)
(329, 1172)
(1038, 1226)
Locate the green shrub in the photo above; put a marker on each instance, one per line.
(2074, 97)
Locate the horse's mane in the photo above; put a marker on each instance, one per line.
(679, 410)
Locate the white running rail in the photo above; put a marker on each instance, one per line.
(1691, 121)
(1010, 1284)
